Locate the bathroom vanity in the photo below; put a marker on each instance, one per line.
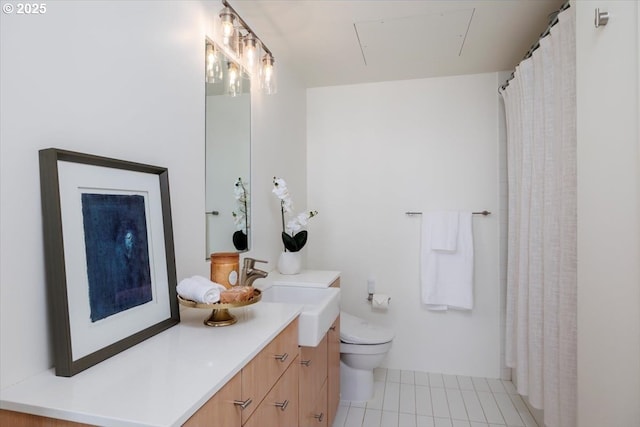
(172, 377)
(251, 374)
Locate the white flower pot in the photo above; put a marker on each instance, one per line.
(290, 263)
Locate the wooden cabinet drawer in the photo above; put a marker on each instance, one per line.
(314, 413)
(20, 419)
(280, 407)
(313, 369)
(221, 410)
(264, 370)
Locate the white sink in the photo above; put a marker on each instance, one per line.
(321, 307)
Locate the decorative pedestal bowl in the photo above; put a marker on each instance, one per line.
(220, 315)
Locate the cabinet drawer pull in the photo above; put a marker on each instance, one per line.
(305, 362)
(333, 328)
(281, 357)
(319, 417)
(241, 404)
(282, 405)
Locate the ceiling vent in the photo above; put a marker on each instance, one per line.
(414, 39)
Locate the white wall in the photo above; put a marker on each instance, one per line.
(124, 80)
(378, 150)
(608, 216)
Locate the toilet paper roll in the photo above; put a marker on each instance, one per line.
(380, 301)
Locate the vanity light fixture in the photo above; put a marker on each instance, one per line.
(241, 39)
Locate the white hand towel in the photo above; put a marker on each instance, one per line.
(447, 276)
(444, 230)
(200, 289)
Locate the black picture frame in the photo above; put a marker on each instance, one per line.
(79, 340)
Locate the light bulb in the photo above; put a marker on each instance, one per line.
(250, 51)
(233, 74)
(234, 79)
(211, 58)
(267, 75)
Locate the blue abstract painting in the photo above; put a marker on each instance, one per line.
(116, 242)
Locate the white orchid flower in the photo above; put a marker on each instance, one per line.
(281, 191)
(239, 191)
(287, 205)
(303, 218)
(293, 226)
(280, 188)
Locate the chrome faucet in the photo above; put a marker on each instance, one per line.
(249, 273)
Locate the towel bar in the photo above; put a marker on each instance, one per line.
(484, 213)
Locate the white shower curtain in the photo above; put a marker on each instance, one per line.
(540, 105)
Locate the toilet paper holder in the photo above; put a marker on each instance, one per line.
(370, 297)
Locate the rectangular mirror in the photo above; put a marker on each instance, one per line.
(227, 152)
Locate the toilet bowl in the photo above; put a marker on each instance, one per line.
(363, 347)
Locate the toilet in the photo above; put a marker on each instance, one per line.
(363, 346)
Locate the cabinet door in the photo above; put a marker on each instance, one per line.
(220, 410)
(313, 368)
(333, 370)
(315, 413)
(280, 407)
(264, 370)
(313, 376)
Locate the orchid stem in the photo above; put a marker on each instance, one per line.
(282, 216)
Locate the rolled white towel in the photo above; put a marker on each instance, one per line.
(207, 282)
(200, 289)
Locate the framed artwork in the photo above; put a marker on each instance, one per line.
(109, 256)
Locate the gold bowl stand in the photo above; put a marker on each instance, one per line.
(220, 315)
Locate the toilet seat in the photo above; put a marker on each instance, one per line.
(354, 330)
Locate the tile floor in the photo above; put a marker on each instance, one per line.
(421, 399)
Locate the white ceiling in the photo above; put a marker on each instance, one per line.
(334, 42)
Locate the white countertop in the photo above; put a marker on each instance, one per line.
(309, 278)
(160, 382)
